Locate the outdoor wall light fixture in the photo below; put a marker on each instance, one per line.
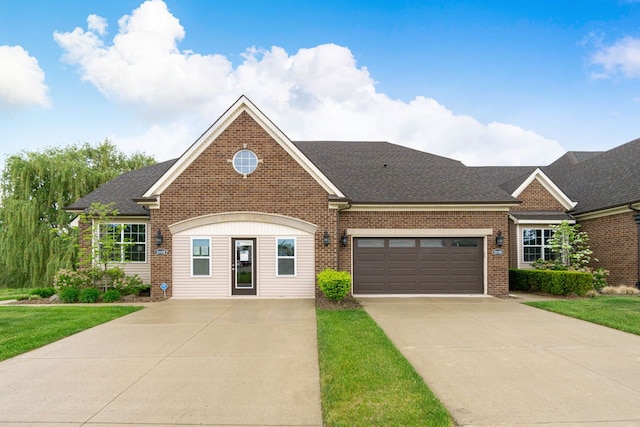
(159, 238)
(499, 238)
(344, 239)
(325, 238)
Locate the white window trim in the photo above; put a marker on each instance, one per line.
(191, 256)
(521, 263)
(294, 257)
(96, 240)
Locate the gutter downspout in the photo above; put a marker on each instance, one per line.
(338, 235)
(636, 217)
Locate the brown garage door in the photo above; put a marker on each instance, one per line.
(418, 265)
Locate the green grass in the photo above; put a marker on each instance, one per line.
(13, 293)
(26, 328)
(622, 313)
(366, 381)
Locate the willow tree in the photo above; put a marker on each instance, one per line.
(35, 237)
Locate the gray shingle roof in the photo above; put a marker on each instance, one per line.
(507, 177)
(601, 181)
(124, 188)
(380, 172)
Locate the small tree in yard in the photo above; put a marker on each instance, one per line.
(571, 247)
(570, 244)
(102, 245)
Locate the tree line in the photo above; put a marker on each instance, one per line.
(36, 239)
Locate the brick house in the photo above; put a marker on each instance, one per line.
(247, 211)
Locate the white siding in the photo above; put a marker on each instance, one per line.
(302, 285)
(219, 284)
(215, 286)
(142, 269)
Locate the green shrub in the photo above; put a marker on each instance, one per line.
(334, 284)
(112, 295)
(89, 295)
(70, 279)
(551, 281)
(69, 294)
(600, 278)
(43, 292)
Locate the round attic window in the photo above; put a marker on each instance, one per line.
(245, 162)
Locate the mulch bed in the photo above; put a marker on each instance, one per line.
(322, 302)
(129, 299)
(347, 303)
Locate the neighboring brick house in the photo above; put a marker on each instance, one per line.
(247, 211)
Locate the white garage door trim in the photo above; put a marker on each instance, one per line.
(423, 232)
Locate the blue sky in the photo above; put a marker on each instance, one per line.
(492, 82)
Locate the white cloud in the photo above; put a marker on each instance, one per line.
(98, 24)
(21, 79)
(315, 93)
(621, 58)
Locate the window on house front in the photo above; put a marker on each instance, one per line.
(286, 256)
(534, 244)
(200, 257)
(123, 242)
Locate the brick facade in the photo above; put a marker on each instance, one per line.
(210, 185)
(497, 265)
(614, 242)
(536, 198)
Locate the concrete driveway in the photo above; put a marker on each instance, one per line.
(221, 362)
(497, 362)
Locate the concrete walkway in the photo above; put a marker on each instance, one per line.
(497, 362)
(215, 362)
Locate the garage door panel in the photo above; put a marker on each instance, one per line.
(418, 265)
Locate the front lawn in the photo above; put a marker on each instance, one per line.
(622, 313)
(14, 293)
(366, 381)
(26, 328)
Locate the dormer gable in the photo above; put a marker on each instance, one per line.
(536, 182)
(242, 105)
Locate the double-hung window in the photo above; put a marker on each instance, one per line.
(200, 257)
(534, 244)
(123, 242)
(286, 256)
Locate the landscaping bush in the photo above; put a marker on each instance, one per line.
(129, 285)
(600, 278)
(619, 290)
(43, 292)
(69, 294)
(556, 282)
(112, 295)
(70, 279)
(89, 295)
(334, 284)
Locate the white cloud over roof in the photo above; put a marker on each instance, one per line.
(621, 58)
(315, 93)
(22, 81)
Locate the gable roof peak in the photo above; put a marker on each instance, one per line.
(242, 105)
(549, 185)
